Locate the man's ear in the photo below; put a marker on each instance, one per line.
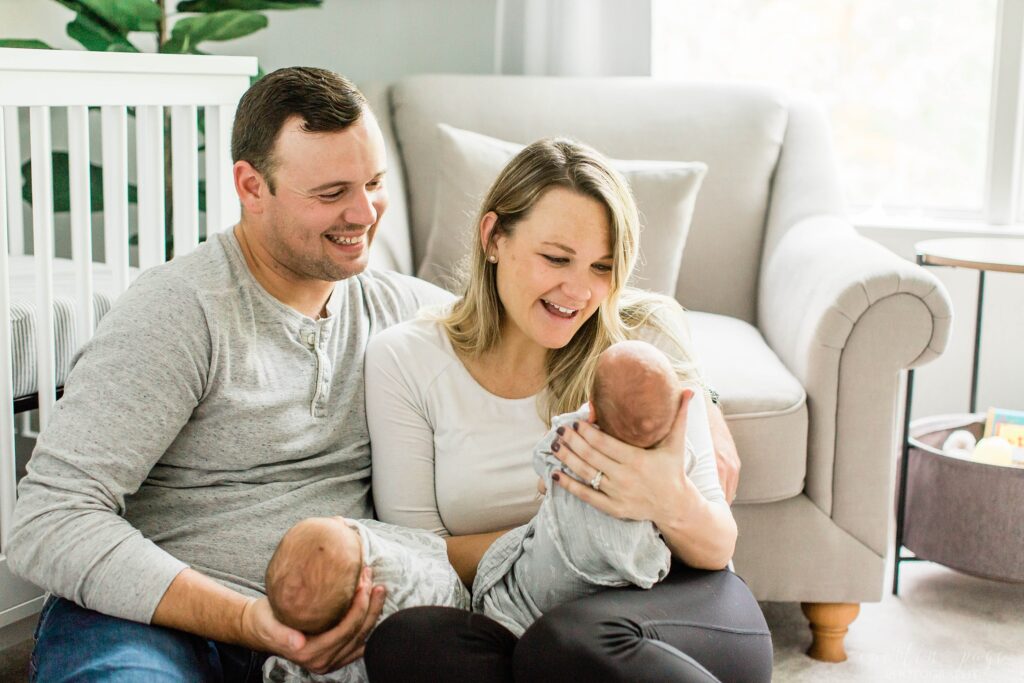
(488, 239)
(250, 186)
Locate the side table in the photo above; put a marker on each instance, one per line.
(982, 254)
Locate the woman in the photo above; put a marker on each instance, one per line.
(455, 405)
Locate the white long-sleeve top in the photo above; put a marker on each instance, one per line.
(450, 456)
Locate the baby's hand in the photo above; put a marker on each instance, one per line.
(541, 487)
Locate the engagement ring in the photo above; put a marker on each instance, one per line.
(595, 483)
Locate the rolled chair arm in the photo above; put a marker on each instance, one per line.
(846, 315)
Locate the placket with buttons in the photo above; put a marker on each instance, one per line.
(317, 339)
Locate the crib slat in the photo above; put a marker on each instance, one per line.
(7, 462)
(149, 168)
(222, 210)
(185, 165)
(81, 218)
(114, 128)
(42, 230)
(12, 162)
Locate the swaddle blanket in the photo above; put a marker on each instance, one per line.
(413, 565)
(568, 550)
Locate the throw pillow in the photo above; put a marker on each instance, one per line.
(468, 163)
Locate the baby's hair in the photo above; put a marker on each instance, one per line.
(311, 579)
(635, 395)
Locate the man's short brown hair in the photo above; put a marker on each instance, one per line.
(326, 101)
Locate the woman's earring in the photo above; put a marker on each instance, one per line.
(492, 258)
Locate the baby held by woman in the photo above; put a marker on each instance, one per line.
(569, 549)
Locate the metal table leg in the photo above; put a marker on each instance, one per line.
(902, 497)
(977, 341)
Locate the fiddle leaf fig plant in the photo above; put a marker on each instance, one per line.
(105, 25)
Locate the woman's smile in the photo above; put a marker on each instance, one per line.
(559, 312)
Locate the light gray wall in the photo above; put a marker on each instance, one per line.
(367, 40)
(373, 40)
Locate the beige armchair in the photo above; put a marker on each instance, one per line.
(803, 325)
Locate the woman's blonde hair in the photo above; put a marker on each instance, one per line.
(474, 322)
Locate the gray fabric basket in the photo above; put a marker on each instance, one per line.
(963, 514)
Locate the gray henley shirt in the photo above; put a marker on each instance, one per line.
(201, 421)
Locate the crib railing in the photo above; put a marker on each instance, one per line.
(119, 85)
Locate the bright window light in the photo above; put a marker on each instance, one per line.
(907, 84)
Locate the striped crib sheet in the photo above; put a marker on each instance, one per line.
(23, 317)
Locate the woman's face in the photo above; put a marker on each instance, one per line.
(555, 270)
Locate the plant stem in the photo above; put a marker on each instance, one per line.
(161, 37)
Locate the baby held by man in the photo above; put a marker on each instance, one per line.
(569, 549)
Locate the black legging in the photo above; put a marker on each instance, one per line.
(694, 626)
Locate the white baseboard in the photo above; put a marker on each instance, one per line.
(19, 612)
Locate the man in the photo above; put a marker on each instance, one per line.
(220, 402)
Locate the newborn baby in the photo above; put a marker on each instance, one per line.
(635, 394)
(571, 549)
(314, 572)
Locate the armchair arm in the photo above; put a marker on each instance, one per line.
(846, 315)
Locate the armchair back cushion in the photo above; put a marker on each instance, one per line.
(737, 131)
(665, 194)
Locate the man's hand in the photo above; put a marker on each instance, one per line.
(726, 457)
(197, 604)
(321, 653)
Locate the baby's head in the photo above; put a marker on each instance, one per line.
(636, 393)
(314, 573)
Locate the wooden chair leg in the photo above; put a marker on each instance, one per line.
(829, 623)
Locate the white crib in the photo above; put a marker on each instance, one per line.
(49, 306)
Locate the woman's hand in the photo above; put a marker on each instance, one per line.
(636, 483)
(324, 652)
(650, 485)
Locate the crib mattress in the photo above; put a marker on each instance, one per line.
(23, 316)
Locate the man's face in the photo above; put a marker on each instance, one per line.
(329, 196)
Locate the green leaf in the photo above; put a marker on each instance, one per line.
(220, 5)
(127, 15)
(61, 193)
(97, 36)
(27, 44)
(260, 73)
(227, 25)
(100, 30)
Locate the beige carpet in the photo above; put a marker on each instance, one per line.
(944, 627)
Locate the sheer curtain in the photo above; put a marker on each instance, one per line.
(573, 37)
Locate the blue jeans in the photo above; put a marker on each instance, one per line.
(76, 644)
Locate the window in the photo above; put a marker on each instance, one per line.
(908, 85)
